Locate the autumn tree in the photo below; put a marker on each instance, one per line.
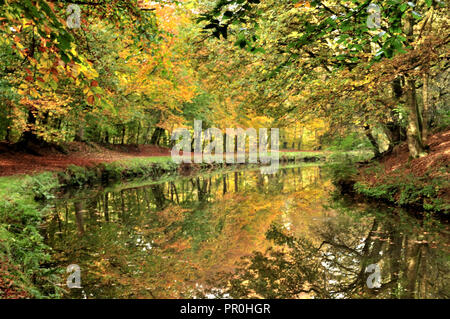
(307, 44)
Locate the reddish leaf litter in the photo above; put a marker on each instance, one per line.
(398, 164)
(80, 154)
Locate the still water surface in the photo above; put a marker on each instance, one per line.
(242, 234)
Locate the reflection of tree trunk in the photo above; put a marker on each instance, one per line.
(421, 290)
(138, 201)
(260, 182)
(300, 176)
(224, 184)
(79, 209)
(122, 204)
(59, 223)
(395, 250)
(106, 207)
(146, 198)
(412, 257)
(91, 207)
(199, 190)
(158, 194)
(174, 189)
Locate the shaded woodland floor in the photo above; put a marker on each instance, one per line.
(399, 163)
(80, 154)
(398, 167)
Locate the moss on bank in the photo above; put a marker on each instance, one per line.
(410, 191)
(425, 193)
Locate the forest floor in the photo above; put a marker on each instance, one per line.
(79, 154)
(426, 177)
(399, 163)
(82, 154)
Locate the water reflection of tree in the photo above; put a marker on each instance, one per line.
(141, 241)
(161, 239)
(411, 265)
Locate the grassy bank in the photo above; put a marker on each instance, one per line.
(24, 259)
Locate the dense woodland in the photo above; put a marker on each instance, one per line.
(136, 70)
(360, 86)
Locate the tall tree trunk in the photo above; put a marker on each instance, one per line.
(413, 132)
(138, 133)
(426, 108)
(29, 141)
(414, 129)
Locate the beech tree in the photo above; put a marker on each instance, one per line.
(307, 40)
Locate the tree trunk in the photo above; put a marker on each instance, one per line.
(29, 141)
(79, 134)
(426, 108)
(373, 141)
(138, 133)
(413, 132)
(156, 136)
(123, 134)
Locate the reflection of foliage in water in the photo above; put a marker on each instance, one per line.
(167, 239)
(412, 266)
(163, 239)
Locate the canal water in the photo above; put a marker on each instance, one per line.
(242, 234)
